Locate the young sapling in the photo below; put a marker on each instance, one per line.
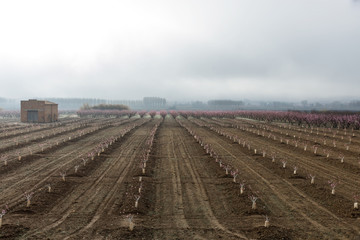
(63, 174)
(341, 157)
(267, 221)
(28, 197)
(130, 219)
(327, 153)
(356, 201)
(76, 168)
(227, 168)
(273, 156)
(92, 155)
(295, 170)
(137, 197)
(144, 162)
(253, 200)
(84, 160)
(333, 184)
(4, 158)
(315, 149)
(234, 174)
(347, 146)
(206, 147)
(140, 187)
(49, 188)
(142, 168)
(3, 212)
(312, 177)
(242, 187)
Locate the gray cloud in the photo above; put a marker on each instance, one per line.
(276, 49)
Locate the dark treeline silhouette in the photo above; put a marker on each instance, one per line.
(119, 107)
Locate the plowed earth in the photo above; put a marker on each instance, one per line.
(185, 194)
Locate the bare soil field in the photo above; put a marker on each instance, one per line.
(177, 179)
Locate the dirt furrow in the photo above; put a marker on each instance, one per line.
(275, 192)
(312, 164)
(35, 174)
(198, 196)
(169, 205)
(93, 194)
(178, 182)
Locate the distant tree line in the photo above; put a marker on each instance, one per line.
(154, 102)
(119, 107)
(225, 103)
(148, 103)
(76, 103)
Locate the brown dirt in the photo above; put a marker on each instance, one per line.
(185, 194)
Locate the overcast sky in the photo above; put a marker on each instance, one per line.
(181, 50)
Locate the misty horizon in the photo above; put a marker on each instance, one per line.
(158, 104)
